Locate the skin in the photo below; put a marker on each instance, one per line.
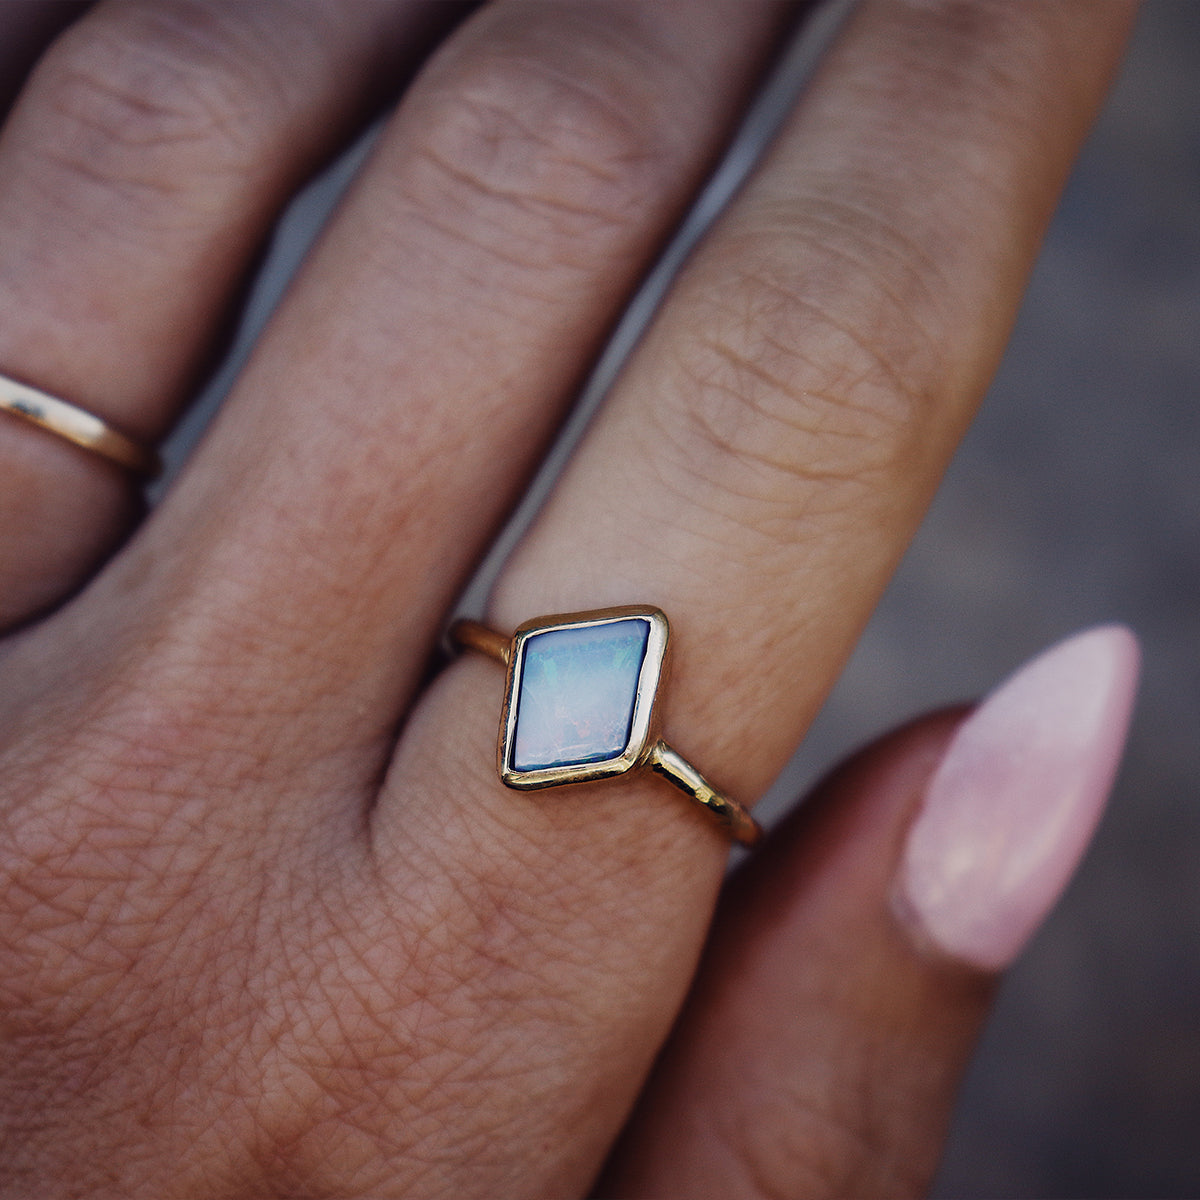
(271, 925)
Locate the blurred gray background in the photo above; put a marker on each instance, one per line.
(1074, 500)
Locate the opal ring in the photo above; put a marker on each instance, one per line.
(78, 426)
(579, 705)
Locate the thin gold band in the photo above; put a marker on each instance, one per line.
(729, 813)
(471, 635)
(77, 426)
(661, 758)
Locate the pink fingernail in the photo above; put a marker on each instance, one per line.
(1014, 802)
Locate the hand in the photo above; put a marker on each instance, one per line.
(271, 924)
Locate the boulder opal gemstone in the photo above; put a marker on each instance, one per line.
(576, 695)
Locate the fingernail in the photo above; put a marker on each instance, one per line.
(1011, 807)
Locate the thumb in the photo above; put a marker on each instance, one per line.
(854, 957)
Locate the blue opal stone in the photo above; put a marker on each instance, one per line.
(576, 695)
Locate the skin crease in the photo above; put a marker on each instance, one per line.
(271, 925)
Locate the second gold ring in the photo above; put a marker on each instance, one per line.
(77, 426)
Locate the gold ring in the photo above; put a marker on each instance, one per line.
(579, 704)
(77, 426)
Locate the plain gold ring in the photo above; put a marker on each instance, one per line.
(579, 705)
(78, 426)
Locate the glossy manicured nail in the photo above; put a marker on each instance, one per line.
(1011, 807)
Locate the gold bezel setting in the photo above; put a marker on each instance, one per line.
(643, 747)
(642, 732)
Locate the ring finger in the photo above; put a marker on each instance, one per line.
(757, 473)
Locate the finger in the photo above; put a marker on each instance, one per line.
(140, 171)
(820, 1049)
(398, 401)
(757, 473)
(853, 959)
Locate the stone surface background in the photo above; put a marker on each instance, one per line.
(1074, 500)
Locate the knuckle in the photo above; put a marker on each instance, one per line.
(550, 157)
(798, 358)
(157, 101)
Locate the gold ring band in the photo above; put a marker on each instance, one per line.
(77, 426)
(579, 705)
